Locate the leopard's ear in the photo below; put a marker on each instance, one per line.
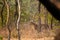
(52, 8)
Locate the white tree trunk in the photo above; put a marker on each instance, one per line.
(19, 12)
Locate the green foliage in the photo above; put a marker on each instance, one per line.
(29, 10)
(25, 17)
(1, 38)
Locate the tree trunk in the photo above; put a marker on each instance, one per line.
(18, 19)
(2, 14)
(39, 19)
(7, 23)
(51, 27)
(46, 19)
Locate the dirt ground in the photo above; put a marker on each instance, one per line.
(28, 32)
(45, 38)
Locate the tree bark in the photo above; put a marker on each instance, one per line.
(2, 14)
(46, 19)
(7, 23)
(39, 19)
(18, 19)
(51, 27)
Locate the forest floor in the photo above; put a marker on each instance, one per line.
(28, 32)
(45, 38)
